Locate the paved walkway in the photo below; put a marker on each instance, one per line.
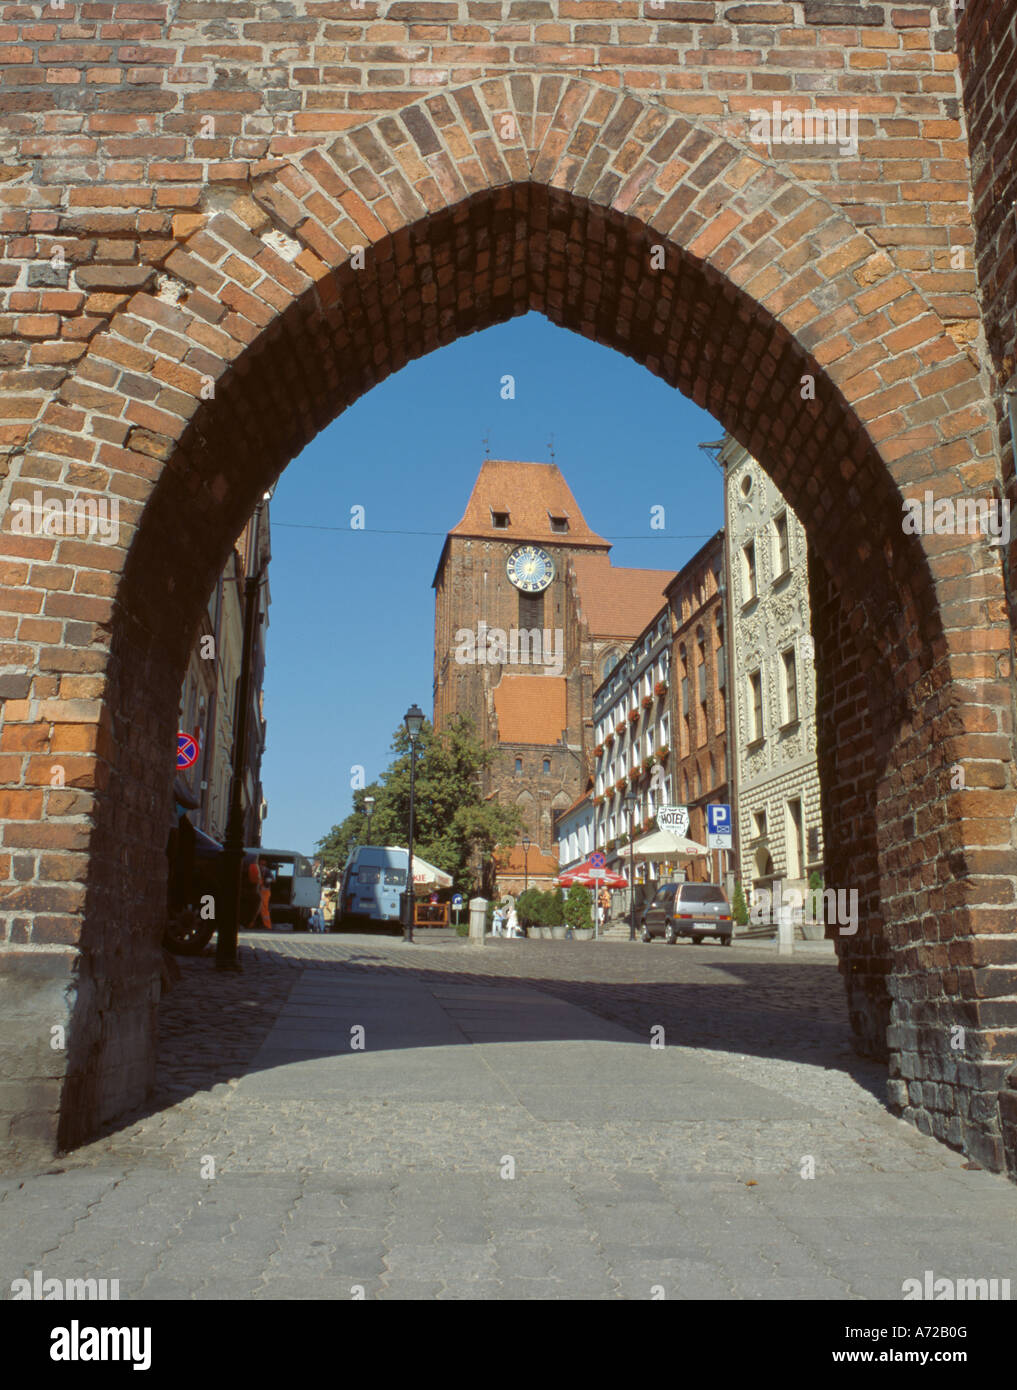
(491, 1138)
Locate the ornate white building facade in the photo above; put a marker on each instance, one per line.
(777, 807)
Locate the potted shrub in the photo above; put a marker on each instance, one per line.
(619, 786)
(577, 912)
(646, 701)
(619, 728)
(554, 914)
(663, 751)
(647, 764)
(609, 740)
(528, 911)
(660, 688)
(598, 750)
(633, 716)
(739, 907)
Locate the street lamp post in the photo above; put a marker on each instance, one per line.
(632, 801)
(526, 862)
(368, 812)
(414, 720)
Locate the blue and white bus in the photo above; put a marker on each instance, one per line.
(372, 884)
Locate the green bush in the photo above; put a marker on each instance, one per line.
(577, 907)
(739, 907)
(555, 908)
(530, 908)
(463, 929)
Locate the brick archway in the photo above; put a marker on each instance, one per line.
(687, 251)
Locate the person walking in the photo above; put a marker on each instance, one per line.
(498, 920)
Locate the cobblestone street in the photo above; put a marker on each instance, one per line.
(507, 1130)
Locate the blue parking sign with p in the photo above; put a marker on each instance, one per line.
(718, 819)
(718, 826)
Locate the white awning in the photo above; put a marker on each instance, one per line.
(661, 844)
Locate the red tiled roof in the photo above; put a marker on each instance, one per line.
(618, 602)
(528, 492)
(530, 709)
(510, 859)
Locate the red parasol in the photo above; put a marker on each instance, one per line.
(591, 877)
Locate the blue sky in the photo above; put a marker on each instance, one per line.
(351, 635)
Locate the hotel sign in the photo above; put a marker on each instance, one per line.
(674, 819)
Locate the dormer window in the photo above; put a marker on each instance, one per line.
(499, 520)
(560, 524)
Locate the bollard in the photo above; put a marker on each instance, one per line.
(478, 920)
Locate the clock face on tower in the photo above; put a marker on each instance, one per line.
(530, 569)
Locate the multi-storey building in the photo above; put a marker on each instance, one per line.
(528, 611)
(632, 725)
(779, 820)
(211, 690)
(660, 717)
(699, 756)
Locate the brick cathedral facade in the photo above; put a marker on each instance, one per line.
(522, 562)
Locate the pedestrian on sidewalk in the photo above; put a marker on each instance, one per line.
(497, 920)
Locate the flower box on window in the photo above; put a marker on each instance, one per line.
(662, 752)
(619, 786)
(647, 764)
(609, 740)
(660, 688)
(633, 716)
(620, 728)
(598, 750)
(646, 701)
(610, 845)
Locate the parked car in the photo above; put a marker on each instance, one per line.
(696, 910)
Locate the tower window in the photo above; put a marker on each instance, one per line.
(531, 611)
(547, 765)
(559, 523)
(500, 520)
(519, 766)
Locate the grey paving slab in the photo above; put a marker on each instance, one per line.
(510, 1133)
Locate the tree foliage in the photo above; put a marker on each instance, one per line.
(455, 828)
(739, 907)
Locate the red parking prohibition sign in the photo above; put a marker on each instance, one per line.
(187, 751)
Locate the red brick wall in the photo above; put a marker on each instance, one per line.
(490, 165)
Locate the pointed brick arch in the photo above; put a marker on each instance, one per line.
(632, 226)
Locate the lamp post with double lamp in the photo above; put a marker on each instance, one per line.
(526, 862)
(631, 802)
(414, 721)
(368, 804)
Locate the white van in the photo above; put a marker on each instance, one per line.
(295, 892)
(372, 885)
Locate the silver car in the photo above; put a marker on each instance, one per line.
(696, 910)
